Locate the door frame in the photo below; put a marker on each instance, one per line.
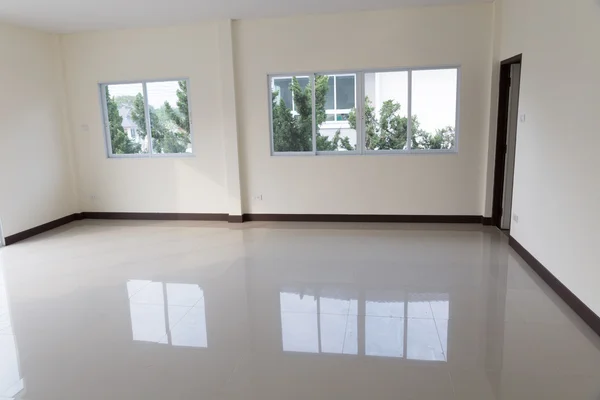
(501, 136)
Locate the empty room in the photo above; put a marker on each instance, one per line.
(285, 200)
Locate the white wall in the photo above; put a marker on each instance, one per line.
(35, 175)
(178, 185)
(402, 184)
(557, 177)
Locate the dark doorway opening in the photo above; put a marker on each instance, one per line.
(508, 118)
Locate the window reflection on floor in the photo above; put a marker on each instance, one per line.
(384, 323)
(396, 324)
(169, 313)
(318, 324)
(11, 382)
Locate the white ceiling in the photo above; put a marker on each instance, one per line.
(84, 15)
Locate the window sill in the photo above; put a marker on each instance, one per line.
(366, 153)
(148, 156)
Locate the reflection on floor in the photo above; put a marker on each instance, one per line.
(328, 321)
(101, 310)
(11, 382)
(152, 304)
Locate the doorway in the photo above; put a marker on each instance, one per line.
(506, 141)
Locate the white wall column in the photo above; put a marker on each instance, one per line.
(229, 117)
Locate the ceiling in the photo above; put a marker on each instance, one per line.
(84, 15)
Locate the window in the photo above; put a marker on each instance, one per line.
(132, 110)
(371, 112)
(336, 132)
(292, 114)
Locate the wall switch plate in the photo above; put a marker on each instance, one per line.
(523, 118)
(516, 218)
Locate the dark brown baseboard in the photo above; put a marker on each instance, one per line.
(156, 216)
(236, 219)
(487, 221)
(441, 219)
(584, 312)
(17, 237)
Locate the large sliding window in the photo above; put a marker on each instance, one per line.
(147, 119)
(365, 112)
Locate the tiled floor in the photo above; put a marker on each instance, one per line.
(265, 311)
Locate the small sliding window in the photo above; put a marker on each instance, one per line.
(147, 118)
(365, 112)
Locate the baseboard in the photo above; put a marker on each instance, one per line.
(156, 216)
(17, 237)
(584, 312)
(442, 219)
(487, 221)
(236, 219)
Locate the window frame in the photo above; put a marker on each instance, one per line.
(359, 94)
(106, 125)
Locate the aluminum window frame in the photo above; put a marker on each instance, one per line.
(360, 102)
(105, 122)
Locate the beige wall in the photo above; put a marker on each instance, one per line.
(35, 176)
(179, 185)
(557, 179)
(450, 184)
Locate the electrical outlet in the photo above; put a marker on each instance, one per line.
(516, 218)
(259, 197)
(93, 198)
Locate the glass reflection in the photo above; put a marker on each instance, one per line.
(396, 324)
(384, 323)
(168, 313)
(11, 382)
(318, 323)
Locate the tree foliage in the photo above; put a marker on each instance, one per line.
(120, 141)
(181, 116)
(170, 127)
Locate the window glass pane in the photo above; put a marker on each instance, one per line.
(329, 99)
(345, 92)
(434, 109)
(281, 86)
(169, 117)
(386, 110)
(126, 118)
(303, 81)
(335, 131)
(292, 128)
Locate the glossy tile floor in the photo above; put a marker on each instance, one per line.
(266, 311)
